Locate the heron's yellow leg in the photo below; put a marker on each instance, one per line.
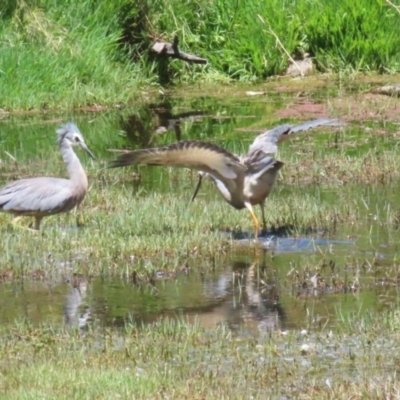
(80, 219)
(252, 278)
(264, 229)
(16, 219)
(79, 216)
(14, 223)
(255, 220)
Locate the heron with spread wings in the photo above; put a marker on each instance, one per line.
(244, 181)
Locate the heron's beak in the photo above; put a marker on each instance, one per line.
(84, 147)
(197, 187)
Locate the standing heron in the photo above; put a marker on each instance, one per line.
(244, 181)
(43, 196)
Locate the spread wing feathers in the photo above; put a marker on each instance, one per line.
(260, 162)
(47, 195)
(268, 141)
(268, 164)
(191, 154)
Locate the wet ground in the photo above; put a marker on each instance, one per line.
(248, 294)
(269, 291)
(354, 270)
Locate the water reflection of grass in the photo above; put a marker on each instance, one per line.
(174, 359)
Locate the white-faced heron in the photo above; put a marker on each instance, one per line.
(244, 181)
(43, 196)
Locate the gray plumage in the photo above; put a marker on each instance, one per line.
(244, 181)
(43, 196)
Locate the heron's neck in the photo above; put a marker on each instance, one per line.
(76, 172)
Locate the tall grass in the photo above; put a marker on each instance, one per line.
(238, 37)
(63, 54)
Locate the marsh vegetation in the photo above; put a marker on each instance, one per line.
(152, 296)
(142, 294)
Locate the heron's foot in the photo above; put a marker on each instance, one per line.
(256, 237)
(257, 247)
(16, 224)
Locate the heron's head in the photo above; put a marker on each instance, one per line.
(69, 134)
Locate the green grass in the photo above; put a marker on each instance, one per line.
(127, 229)
(62, 54)
(238, 38)
(340, 185)
(150, 224)
(182, 360)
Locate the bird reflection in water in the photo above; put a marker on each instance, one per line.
(247, 299)
(77, 312)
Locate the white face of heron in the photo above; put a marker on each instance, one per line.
(75, 139)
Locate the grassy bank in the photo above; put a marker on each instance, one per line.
(63, 54)
(180, 360)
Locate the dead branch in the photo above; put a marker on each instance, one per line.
(397, 8)
(166, 49)
(278, 41)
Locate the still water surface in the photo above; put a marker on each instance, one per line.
(257, 296)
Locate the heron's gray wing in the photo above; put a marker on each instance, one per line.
(268, 141)
(37, 195)
(191, 154)
(258, 162)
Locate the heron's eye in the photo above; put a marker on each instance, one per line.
(77, 139)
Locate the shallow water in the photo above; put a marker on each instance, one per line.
(247, 292)
(247, 296)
